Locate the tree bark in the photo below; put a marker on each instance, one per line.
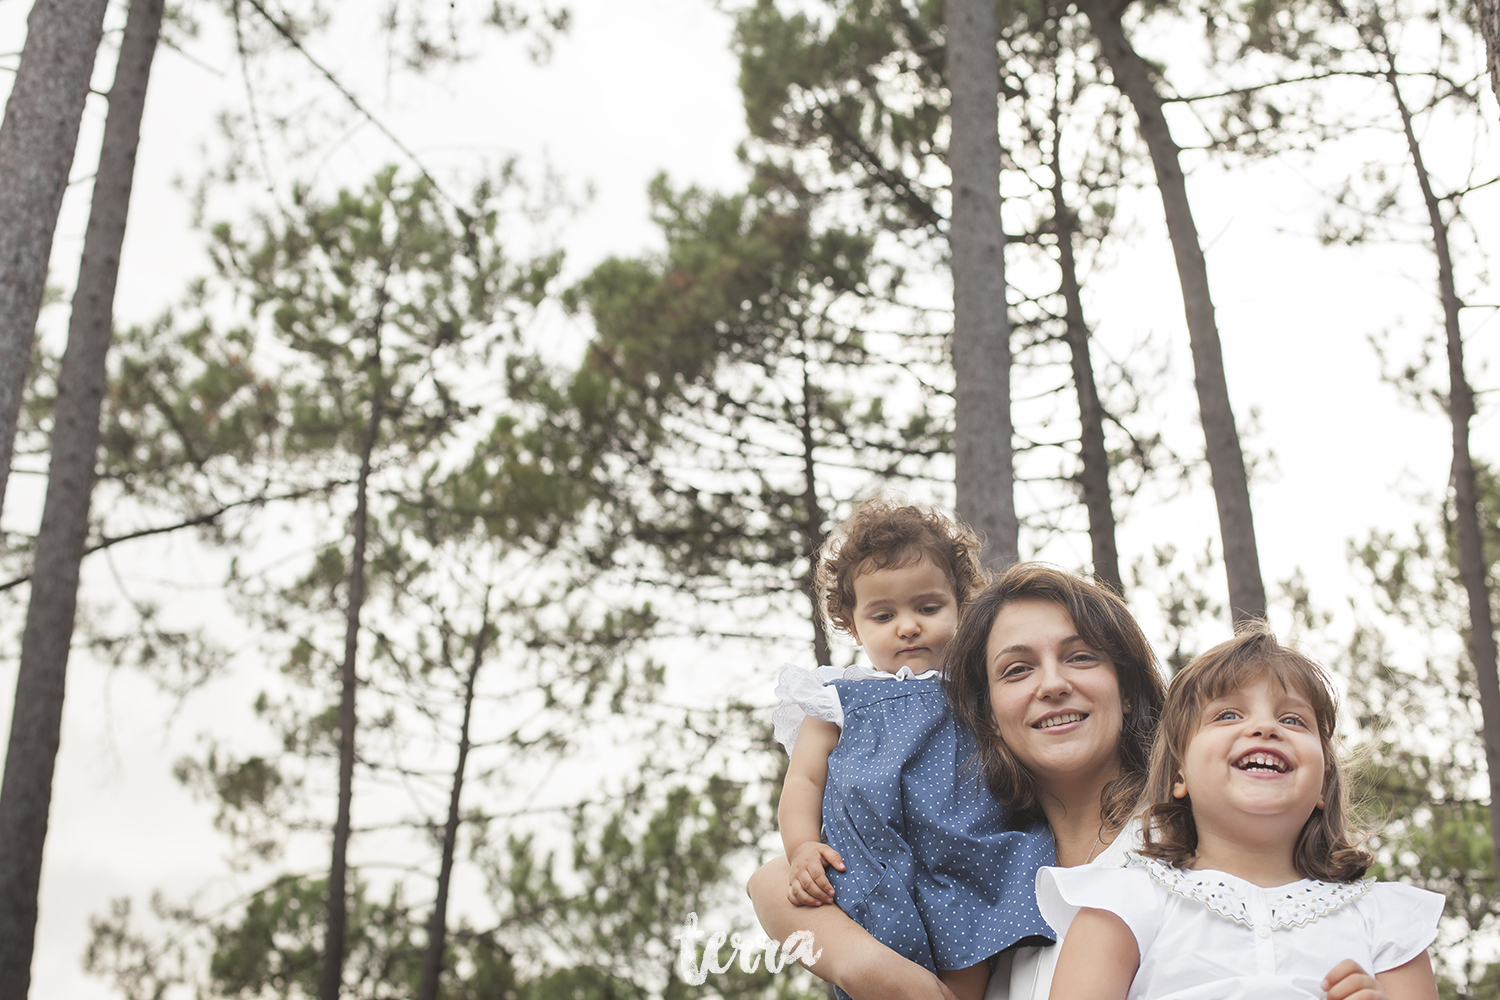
(1489, 29)
(1473, 566)
(812, 525)
(335, 940)
(1226, 462)
(37, 143)
(1093, 478)
(437, 927)
(26, 793)
(985, 474)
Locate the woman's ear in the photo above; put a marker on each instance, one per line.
(1179, 788)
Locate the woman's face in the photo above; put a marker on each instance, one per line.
(1056, 699)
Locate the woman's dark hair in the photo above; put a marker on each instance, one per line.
(1325, 847)
(885, 534)
(1106, 624)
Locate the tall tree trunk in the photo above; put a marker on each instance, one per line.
(1473, 566)
(1226, 462)
(813, 518)
(26, 793)
(1489, 29)
(1094, 476)
(335, 939)
(37, 141)
(437, 927)
(981, 325)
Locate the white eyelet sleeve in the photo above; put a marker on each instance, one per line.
(805, 692)
(1125, 892)
(1403, 922)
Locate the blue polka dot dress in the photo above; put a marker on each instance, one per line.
(935, 868)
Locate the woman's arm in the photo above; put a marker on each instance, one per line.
(851, 959)
(1412, 981)
(800, 815)
(1098, 960)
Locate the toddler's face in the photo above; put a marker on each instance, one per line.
(1255, 767)
(905, 615)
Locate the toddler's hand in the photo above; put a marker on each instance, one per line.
(810, 885)
(1347, 981)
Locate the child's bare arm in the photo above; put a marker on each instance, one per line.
(1098, 960)
(1412, 981)
(801, 814)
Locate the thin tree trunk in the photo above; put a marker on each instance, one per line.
(37, 143)
(985, 473)
(1473, 566)
(335, 940)
(1489, 29)
(812, 525)
(1094, 476)
(26, 794)
(1226, 462)
(437, 927)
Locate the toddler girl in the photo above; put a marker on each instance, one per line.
(1248, 884)
(919, 852)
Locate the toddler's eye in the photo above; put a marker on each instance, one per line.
(1293, 720)
(1227, 715)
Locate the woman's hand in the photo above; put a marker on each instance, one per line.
(809, 885)
(852, 959)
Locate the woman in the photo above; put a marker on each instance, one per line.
(1059, 685)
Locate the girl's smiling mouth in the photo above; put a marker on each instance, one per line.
(1264, 761)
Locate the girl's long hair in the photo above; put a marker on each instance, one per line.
(1106, 624)
(1326, 847)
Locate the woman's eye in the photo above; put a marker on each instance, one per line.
(1013, 671)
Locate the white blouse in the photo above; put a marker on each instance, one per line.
(1208, 935)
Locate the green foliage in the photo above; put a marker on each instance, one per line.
(1425, 775)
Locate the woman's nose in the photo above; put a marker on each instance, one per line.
(1051, 682)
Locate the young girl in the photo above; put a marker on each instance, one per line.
(1248, 884)
(920, 853)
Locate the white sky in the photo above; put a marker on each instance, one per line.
(648, 85)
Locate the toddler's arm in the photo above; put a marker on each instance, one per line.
(1099, 958)
(1412, 981)
(800, 814)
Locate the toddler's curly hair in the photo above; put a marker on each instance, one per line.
(885, 534)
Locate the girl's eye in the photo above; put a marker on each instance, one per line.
(932, 609)
(1293, 720)
(882, 616)
(1227, 715)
